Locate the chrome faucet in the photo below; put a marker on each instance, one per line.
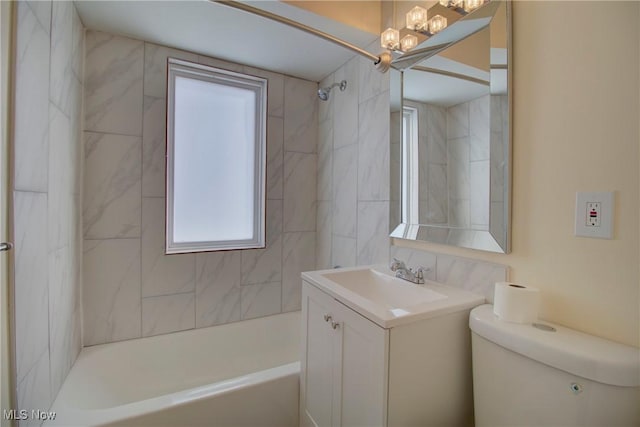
(405, 273)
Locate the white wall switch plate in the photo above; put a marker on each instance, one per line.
(594, 215)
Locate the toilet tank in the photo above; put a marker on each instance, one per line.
(526, 376)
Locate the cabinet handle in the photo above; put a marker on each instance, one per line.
(327, 318)
(335, 325)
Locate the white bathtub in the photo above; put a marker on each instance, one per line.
(240, 374)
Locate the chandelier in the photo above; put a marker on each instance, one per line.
(418, 21)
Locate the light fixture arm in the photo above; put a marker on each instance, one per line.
(378, 61)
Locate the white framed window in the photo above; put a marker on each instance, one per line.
(216, 159)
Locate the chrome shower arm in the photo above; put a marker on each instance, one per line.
(381, 62)
(323, 92)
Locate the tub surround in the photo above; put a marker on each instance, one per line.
(353, 153)
(47, 200)
(131, 289)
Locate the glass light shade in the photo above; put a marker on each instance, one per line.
(417, 18)
(390, 39)
(457, 3)
(437, 23)
(470, 5)
(408, 42)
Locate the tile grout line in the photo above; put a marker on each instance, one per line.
(144, 58)
(101, 132)
(168, 295)
(358, 164)
(284, 109)
(47, 193)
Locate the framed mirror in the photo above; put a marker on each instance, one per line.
(451, 135)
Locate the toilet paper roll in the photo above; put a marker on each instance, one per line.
(516, 303)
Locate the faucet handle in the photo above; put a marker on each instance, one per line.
(420, 272)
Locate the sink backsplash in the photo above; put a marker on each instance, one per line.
(466, 273)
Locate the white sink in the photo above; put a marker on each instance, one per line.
(376, 294)
(384, 290)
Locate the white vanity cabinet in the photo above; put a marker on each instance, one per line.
(355, 372)
(344, 364)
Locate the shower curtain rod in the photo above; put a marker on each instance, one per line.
(381, 62)
(450, 74)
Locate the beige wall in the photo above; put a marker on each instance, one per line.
(362, 14)
(576, 109)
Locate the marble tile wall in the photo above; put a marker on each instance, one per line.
(454, 167)
(468, 135)
(47, 199)
(469, 274)
(499, 150)
(395, 165)
(131, 289)
(353, 168)
(433, 194)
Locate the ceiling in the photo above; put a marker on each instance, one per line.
(443, 90)
(212, 29)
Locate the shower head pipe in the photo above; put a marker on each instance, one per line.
(323, 93)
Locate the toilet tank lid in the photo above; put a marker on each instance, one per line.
(574, 352)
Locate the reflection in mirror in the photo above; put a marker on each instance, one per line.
(395, 132)
(450, 143)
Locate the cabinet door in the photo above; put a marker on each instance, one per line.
(317, 365)
(362, 389)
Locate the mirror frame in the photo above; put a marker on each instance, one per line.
(443, 234)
